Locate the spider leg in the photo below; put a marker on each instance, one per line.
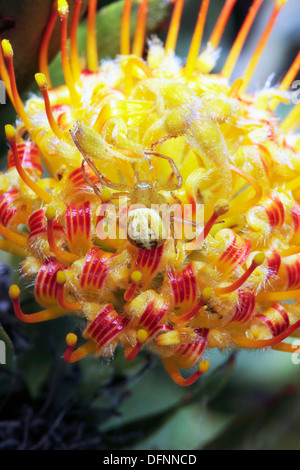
(173, 234)
(102, 179)
(169, 187)
(89, 181)
(188, 222)
(176, 198)
(161, 141)
(120, 194)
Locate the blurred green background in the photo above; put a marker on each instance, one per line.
(248, 400)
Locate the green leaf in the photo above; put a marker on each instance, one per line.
(35, 366)
(213, 383)
(141, 429)
(28, 19)
(109, 24)
(108, 31)
(263, 427)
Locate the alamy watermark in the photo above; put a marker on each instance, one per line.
(149, 226)
(295, 92)
(2, 93)
(2, 353)
(296, 355)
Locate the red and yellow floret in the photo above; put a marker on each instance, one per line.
(144, 129)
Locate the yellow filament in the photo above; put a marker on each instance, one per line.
(11, 137)
(44, 49)
(261, 45)
(17, 238)
(10, 247)
(4, 75)
(294, 250)
(221, 23)
(125, 29)
(292, 121)
(197, 38)
(17, 102)
(92, 51)
(140, 31)
(236, 203)
(276, 296)
(174, 27)
(241, 38)
(63, 11)
(287, 80)
(43, 86)
(75, 65)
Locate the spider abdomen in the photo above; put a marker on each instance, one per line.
(146, 229)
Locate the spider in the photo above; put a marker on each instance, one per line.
(146, 229)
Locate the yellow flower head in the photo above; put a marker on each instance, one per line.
(130, 144)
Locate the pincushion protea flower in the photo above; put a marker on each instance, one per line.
(155, 131)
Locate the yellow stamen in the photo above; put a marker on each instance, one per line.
(142, 335)
(131, 67)
(136, 276)
(11, 137)
(106, 194)
(10, 247)
(287, 80)
(235, 88)
(125, 29)
(294, 250)
(286, 347)
(14, 291)
(140, 30)
(17, 238)
(43, 86)
(236, 204)
(291, 74)
(218, 30)
(61, 279)
(75, 64)
(172, 369)
(220, 208)
(273, 342)
(292, 121)
(171, 40)
(276, 296)
(62, 255)
(86, 349)
(204, 366)
(43, 315)
(168, 339)
(241, 38)
(206, 294)
(197, 38)
(109, 112)
(17, 102)
(261, 45)
(293, 184)
(92, 51)
(4, 75)
(44, 49)
(71, 340)
(257, 261)
(63, 11)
